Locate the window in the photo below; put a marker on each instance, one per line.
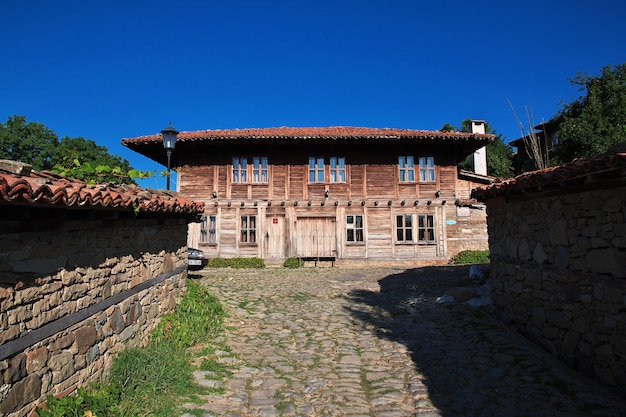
(407, 169)
(425, 229)
(207, 230)
(427, 169)
(316, 169)
(354, 228)
(259, 169)
(240, 168)
(337, 169)
(404, 228)
(248, 229)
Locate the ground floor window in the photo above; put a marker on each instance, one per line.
(404, 228)
(248, 229)
(426, 229)
(207, 230)
(354, 228)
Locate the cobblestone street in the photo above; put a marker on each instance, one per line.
(373, 342)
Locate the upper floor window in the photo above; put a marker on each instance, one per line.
(248, 229)
(259, 169)
(427, 168)
(240, 170)
(207, 230)
(426, 229)
(354, 228)
(316, 169)
(406, 169)
(404, 228)
(337, 169)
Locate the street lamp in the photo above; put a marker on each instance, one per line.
(169, 141)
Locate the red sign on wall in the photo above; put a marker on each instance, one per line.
(275, 220)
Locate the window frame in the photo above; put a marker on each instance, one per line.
(248, 229)
(337, 169)
(426, 228)
(240, 170)
(404, 230)
(208, 230)
(406, 168)
(426, 168)
(358, 232)
(317, 174)
(260, 170)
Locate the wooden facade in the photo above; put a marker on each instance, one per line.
(346, 194)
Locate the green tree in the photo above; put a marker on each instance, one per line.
(35, 144)
(32, 143)
(596, 121)
(499, 154)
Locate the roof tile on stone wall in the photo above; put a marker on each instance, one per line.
(537, 180)
(48, 189)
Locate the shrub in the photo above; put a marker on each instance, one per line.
(293, 263)
(97, 400)
(236, 263)
(471, 257)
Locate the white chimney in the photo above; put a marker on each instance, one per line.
(479, 158)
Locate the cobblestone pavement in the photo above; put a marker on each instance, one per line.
(373, 342)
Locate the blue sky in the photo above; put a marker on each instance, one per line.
(107, 70)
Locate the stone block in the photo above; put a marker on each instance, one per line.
(85, 337)
(36, 359)
(21, 394)
(607, 261)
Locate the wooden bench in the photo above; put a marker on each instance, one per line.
(317, 259)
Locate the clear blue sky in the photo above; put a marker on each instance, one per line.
(107, 70)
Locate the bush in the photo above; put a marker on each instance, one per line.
(236, 263)
(293, 263)
(97, 400)
(471, 257)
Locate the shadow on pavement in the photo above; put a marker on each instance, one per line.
(472, 364)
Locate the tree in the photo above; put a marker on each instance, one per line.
(32, 143)
(499, 154)
(595, 122)
(35, 144)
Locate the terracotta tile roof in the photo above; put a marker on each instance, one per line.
(562, 175)
(25, 187)
(333, 132)
(152, 145)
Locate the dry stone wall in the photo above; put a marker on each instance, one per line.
(558, 273)
(73, 295)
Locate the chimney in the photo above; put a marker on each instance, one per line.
(479, 158)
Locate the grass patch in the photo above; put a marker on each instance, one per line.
(470, 257)
(236, 263)
(155, 379)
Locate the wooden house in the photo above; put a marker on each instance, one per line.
(343, 194)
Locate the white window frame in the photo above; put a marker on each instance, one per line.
(406, 168)
(427, 168)
(240, 170)
(316, 170)
(337, 169)
(260, 170)
(354, 232)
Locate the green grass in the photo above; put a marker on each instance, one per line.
(154, 380)
(471, 257)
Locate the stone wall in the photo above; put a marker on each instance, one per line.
(466, 229)
(74, 293)
(558, 274)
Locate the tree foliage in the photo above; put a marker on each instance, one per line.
(499, 154)
(596, 121)
(35, 144)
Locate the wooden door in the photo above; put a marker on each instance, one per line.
(275, 243)
(316, 237)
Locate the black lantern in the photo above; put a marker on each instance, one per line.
(169, 142)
